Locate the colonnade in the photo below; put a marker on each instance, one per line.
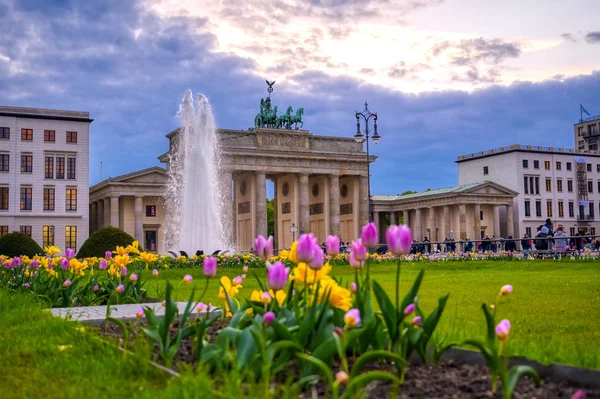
(105, 212)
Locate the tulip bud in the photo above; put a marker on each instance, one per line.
(352, 318)
(268, 318)
(341, 377)
(506, 290)
(332, 245)
(305, 248)
(409, 309)
(503, 330)
(369, 235)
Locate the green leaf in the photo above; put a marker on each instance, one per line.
(491, 360)
(324, 353)
(410, 297)
(491, 328)
(438, 352)
(366, 378)
(372, 355)
(227, 336)
(281, 331)
(514, 375)
(279, 346)
(390, 315)
(317, 364)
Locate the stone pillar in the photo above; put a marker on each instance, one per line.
(393, 218)
(377, 221)
(497, 221)
(100, 215)
(418, 225)
(446, 222)
(106, 216)
(334, 205)
(114, 211)
(364, 210)
(94, 217)
(275, 216)
(227, 195)
(234, 212)
(137, 221)
(432, 227)
(406, 217)
(462, 218)
(303, 204)
(510, 226)
(261, 204)
(477, 223)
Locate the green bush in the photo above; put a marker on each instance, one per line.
(105, 239)
(17, 244)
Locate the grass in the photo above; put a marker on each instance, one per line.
(554, 309)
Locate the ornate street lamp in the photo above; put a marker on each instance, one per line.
(360, 137)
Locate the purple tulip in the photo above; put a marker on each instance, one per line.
(353, 262)
(580, 394)
(34, 264)
(353, 287)
(277, 276)
(155, 273)
(306, 247)
(120, 288)
(209, 267)
(16, 261)
(245, 268)
(409, 309)
(102, 264)
(64, 263)
(332, 244)
(359, 250)
(352, 318)
(124, 271)
(369, 235)
(26, 285)
(187, 279)
(96, 288)
(67, 283)
(399, 239)
(133, 277)
(268, 318)
(108, 255)
(70, 253)
(416, 320)
(506, 290)
(503, 330)
(318, 258)
(238, 280)
(264, 247)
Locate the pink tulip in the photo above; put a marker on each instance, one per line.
(353, 262)
(399, 239)
(133, 277)
(352, 318)
(155, 273)
(332, 245)
(506, 290)
(209, 267)
(318, 258)
(268, 318)
(503, 330)
(64, 263)
(369, 235)
(580, 394)
(96, 288)
(120, 288)
(108, 255)
(305, 248)
(238, 280)
(124, 271)
(67, 283)
(102, 265)
(139, 313)
(359, 250)
(409, 309)
(245, 269)
(70, 253)
(277, 276)
(353, 287)
(416, 321)
(264, 247)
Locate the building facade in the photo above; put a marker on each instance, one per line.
(557, 183)
(587, 133)
(44, 174)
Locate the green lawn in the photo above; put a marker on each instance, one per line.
(554, 309)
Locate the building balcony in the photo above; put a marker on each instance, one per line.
(586, 217)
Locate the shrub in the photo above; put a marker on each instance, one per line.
(105, 239)
(17, 244)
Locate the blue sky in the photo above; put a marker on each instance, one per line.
(447, 77)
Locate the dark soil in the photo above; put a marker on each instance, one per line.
(446, 381)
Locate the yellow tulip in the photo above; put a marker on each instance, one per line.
(304, 274)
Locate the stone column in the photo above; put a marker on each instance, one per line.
(432, 226)
(137, 221)
(227, 195)
(393, 218)
(446, 222)
(510, 226)
(100, 215)
(497, 221)
(477, 223)
(114, 211)
(303, 204)
(275, 216)
(234, 212)
(334, 205)
(418, 225)
(406, 217)
(364, 210)
(106, 212)
(377, 221)
(94, 217)
(462, 218)
(261, 204)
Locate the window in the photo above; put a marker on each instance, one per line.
(537, 186)
(580, 131)
(561, 209)
(3, 231)
(49, 199)
(48, 236)
(591, 210)
(71, 137)
(4, 133)
(590, 186)
(151, 211)
(49, 168)
(4, 198)
(570, 185)
(71, 199)
(71, 168)
(4, 162)
(528, 231)
(538, 209)
(568, 165)
(480, 215)
(25, 230)
(26, 198)
(526, 184)
(549, 208)
(547, 165)
(548, 184)
(558, 165)
(26, 163)
(599, 186)
(592, 231)
(589, 167)
(598, 167)
(525, 163)
(26, 134)
(592, 130)
(571, 209)
(49, 135)
(527, 208)
(71, 237)
(572, 231)
(536, 164)
(559, 185)
(581, 212)
(581, 144)
(60, 167)
(485, 170)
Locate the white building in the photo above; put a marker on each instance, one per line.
(561, 184)
(44, 175)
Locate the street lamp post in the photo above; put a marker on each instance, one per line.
(359, 137)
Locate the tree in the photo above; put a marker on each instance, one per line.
(270, 217)
(407, 192)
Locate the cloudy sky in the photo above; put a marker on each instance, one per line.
(447, 77)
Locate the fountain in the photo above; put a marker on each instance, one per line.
(194, 197)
